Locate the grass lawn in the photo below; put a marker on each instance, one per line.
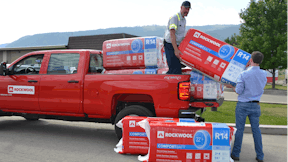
(276, 86)
(271, 114)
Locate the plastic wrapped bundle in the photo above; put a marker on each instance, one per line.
(182, 142)
(133, 53)
(212, 57)
(134, 139)
(202, 87)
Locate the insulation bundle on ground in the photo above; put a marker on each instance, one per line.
(187, 142)
(134, 139)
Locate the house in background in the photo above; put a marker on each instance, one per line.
(9, 55)
(270, 76)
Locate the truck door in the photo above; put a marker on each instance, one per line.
(20, 89)
(60, 88)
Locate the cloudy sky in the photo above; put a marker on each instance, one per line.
(27, 17)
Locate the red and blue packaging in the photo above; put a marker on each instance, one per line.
(212, 57)
(187, 142)
(129, 53)
(134, 139)
(203, 87)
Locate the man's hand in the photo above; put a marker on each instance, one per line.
(178, 53)
(228, 85)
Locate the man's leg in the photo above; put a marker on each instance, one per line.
(172, 61)
(240, 114)
(254, 114)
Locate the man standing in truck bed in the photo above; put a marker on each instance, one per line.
(174, 34)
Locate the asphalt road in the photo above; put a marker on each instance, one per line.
(61, 141)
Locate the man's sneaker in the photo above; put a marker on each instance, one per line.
(234, 158)
(258, 160)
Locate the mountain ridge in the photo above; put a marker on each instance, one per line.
(220, 32)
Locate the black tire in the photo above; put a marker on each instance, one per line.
(136, 110)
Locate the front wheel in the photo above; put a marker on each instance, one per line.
(133, 110)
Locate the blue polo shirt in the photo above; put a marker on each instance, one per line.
(250, 84)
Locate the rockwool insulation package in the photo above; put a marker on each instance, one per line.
(162, 71)
(202, 87)
(212, 57)
(187, 142)
(134, 139)
(138, 52)
(131, 71)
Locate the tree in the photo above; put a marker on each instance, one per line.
(233, 40)
(265, 29)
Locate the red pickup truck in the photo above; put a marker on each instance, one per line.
(70, 85)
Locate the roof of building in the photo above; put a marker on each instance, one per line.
(33, 48)
(94, 41)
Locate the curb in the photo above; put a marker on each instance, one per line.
(265, 129)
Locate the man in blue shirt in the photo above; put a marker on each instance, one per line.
(250, 87)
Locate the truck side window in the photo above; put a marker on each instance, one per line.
(96, 63)
(64, 63)
(28, 66)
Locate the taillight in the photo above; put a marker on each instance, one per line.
(184, 91)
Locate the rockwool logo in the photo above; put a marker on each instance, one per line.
(160, 134)
(108, 45)
(179, 135)
(10, 90)
(21, 89)
(132, 123)
(197, 34)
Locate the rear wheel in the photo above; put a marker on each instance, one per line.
(133, 110)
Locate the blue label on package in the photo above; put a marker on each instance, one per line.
(136, 45)
(181, 147)
(150, 43)
(224, 80)
(226, 51)
(139, 134)
(196, 77)
(150, 71)
(186, 120)
(221, 135)
(202, 139)
(137, 72)
(124, 52)
(242, 57)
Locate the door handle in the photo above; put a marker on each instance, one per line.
(73, 81)
(32, 81)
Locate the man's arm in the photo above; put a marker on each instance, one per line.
(240, 86)
(174, 44)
